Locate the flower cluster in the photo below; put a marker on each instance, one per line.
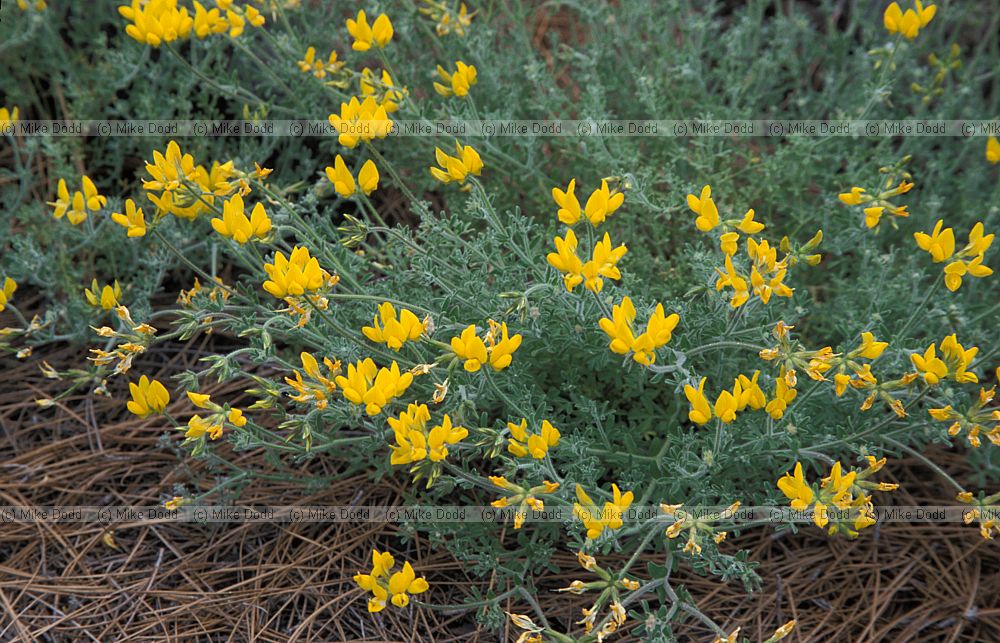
(525, 499)
(458, 82)
(361, 121)
(378, 33)
(974, 419)
(148, 397)
(372, 387)
(320, 387)
(343, 180)
(448, 19)
(952, 364)
(496, 350)
(846, 494)
(182, 188)
(212, 426)
(596, 519)
(234, 223)
(699, 527)
(620, 330)
(609, 587)
(84, 201)
(984, 510)
(880, 203)
(154, 22)
(319, 68)
(414, 442)
(383, 584)
(131, 340)
(107, 297)
(940, 245)
(910, 23)
(601, 204)
(7, 292)
(767, 274)
(394, 331)
(537, 445)
(456, 169)
(746, 393)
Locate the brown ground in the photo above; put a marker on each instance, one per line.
(283, 582)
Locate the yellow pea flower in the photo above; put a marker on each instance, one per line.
(358, 121)
(134, 221)
(602, 203)
(907, 24)
(659, 329)
(387, 329)
(382, 89)
(7, 292)
(796, 489)
(208, 22)
(783, 395)
(410, 431)
(870, 349)
(148, 397)
(457, 168)
(603, 264)
(235, 225)
(537, 445)
(295, 275)
(725, 407)
(566, 261)
(569, 206)
(344, 183)
(10, 117)
(399, 585)
(992, 146)
(470, 348)
(595, 519)
(701, 410)
(704, 207)
(156, 21)
(501, 352)
(441, 436)
(236, 418)
(458, 82)
(366, 384)
(106, 297)
(854, 197)
(940, 243)
(378, 34)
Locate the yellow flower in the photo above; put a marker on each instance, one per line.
(295, 275)
(199, 427)
(235, 225)
(907, 24)
(208, 22)
(185, 189)
(603, 264)
(854, 197)
(148, 397)
(701, 410)
(156, 21)
(236, 418)
(368, 385)
(537, 445)
(415, 443)
(10, 117)
(360, 121)
(659, 329)
(595, 519)
(969, 260)
(382, 585)
(569, 206)
(566, 261)
(379, 33)
(134, 221)
(501, 352)
(383, 90)
(457, 82)
(393, 331)
(725, 407)
(470, 348)
(704, 207)
(316, 66)
(7, 292)
(954, 361)
(783, 395)
(940, 243)
(992, 146)
(106, 297)
(870, 349)
(457, 168)
(602, 204)
(796, 489)
(343, 182)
